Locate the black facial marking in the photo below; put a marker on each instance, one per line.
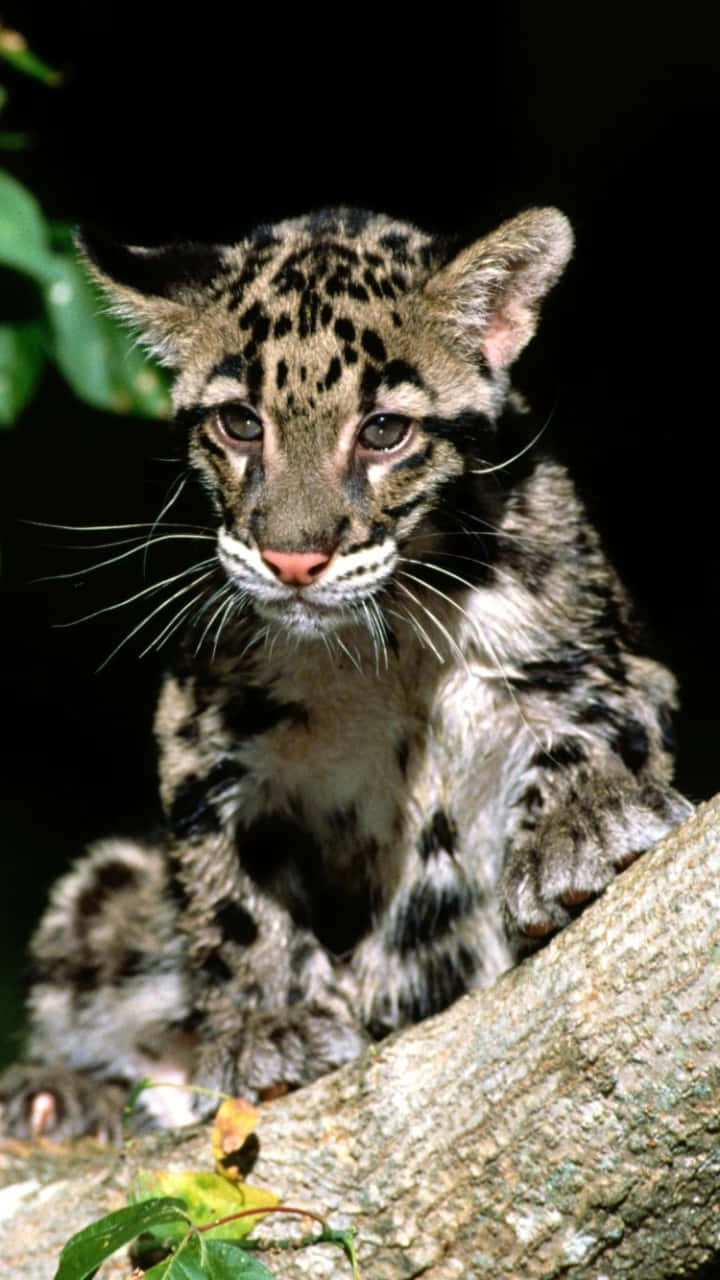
(185, 420)
(345, 329)
(369, 383)
(440, 833)
(257, 321)
(281, 373)
(373, 344)
(282, 325)
(632, 744)
(466, 430)
(350, 355)
(398, 371)
(212, 446)
(404, 508)
(255, 376)
(333, 373)
(415, 459)
(402, 755)
(231, 366)
(372, 283)
(326, 315)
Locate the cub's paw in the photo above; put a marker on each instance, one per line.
(274, 1052)
(40, 1102)
(577, 850)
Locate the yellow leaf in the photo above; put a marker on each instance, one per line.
(208, 1196)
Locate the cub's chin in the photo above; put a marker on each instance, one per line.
(304, 619)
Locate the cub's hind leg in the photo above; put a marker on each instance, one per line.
(107, 1002)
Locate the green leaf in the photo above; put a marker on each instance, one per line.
(24, 239)
(22, 355)
(100, 360)
(207, 1196)
(14, 49)
(98, 357)
(209, 1260)
(86, 1250)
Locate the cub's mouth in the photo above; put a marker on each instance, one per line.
(307, 593)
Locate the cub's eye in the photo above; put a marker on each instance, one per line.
(238, 423)
(384, 431)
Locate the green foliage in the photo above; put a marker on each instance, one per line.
(211, 1260)
(84, 1252)
(202, 1219)
(94, 352)
(68, 324)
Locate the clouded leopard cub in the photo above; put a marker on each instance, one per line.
(417, 735)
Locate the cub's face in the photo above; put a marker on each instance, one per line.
(337, 378)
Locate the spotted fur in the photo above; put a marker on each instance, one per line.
(409, 731)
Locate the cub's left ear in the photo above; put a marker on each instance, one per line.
(159, 291)
(489, 294)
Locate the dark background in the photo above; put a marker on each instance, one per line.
(200, 124)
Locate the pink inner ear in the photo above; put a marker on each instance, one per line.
(509, 330)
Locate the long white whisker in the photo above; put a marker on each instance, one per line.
(355, 661)
(500, 466)
(416, 622)
(174, 495)
(159, 640)
(485, 641)
(163, 605)
(221, 594)
(140, 546)
(109, 608)
(228, 610)
(448, 636)
(113, 528)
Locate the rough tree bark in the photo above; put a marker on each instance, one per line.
(565, 1122)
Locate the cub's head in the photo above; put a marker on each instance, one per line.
(339, 378)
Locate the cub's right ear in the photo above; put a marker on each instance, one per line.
(159, 291)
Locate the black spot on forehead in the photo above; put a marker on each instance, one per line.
(370, 381)
(345, 329)
(333, 373)
(398, 371)
(255, 378)
(231, 366)
(373, 344)
(282, 325)
(256, 319)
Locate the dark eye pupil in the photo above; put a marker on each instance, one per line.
(385, 431)
(240, 423)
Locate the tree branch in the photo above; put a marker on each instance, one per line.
(566, 1121)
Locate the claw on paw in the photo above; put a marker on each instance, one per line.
(539, 929)
(43, 1113)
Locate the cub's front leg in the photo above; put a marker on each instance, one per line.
(587, 807)
(267, 1006)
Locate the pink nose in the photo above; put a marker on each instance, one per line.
(296, 568)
